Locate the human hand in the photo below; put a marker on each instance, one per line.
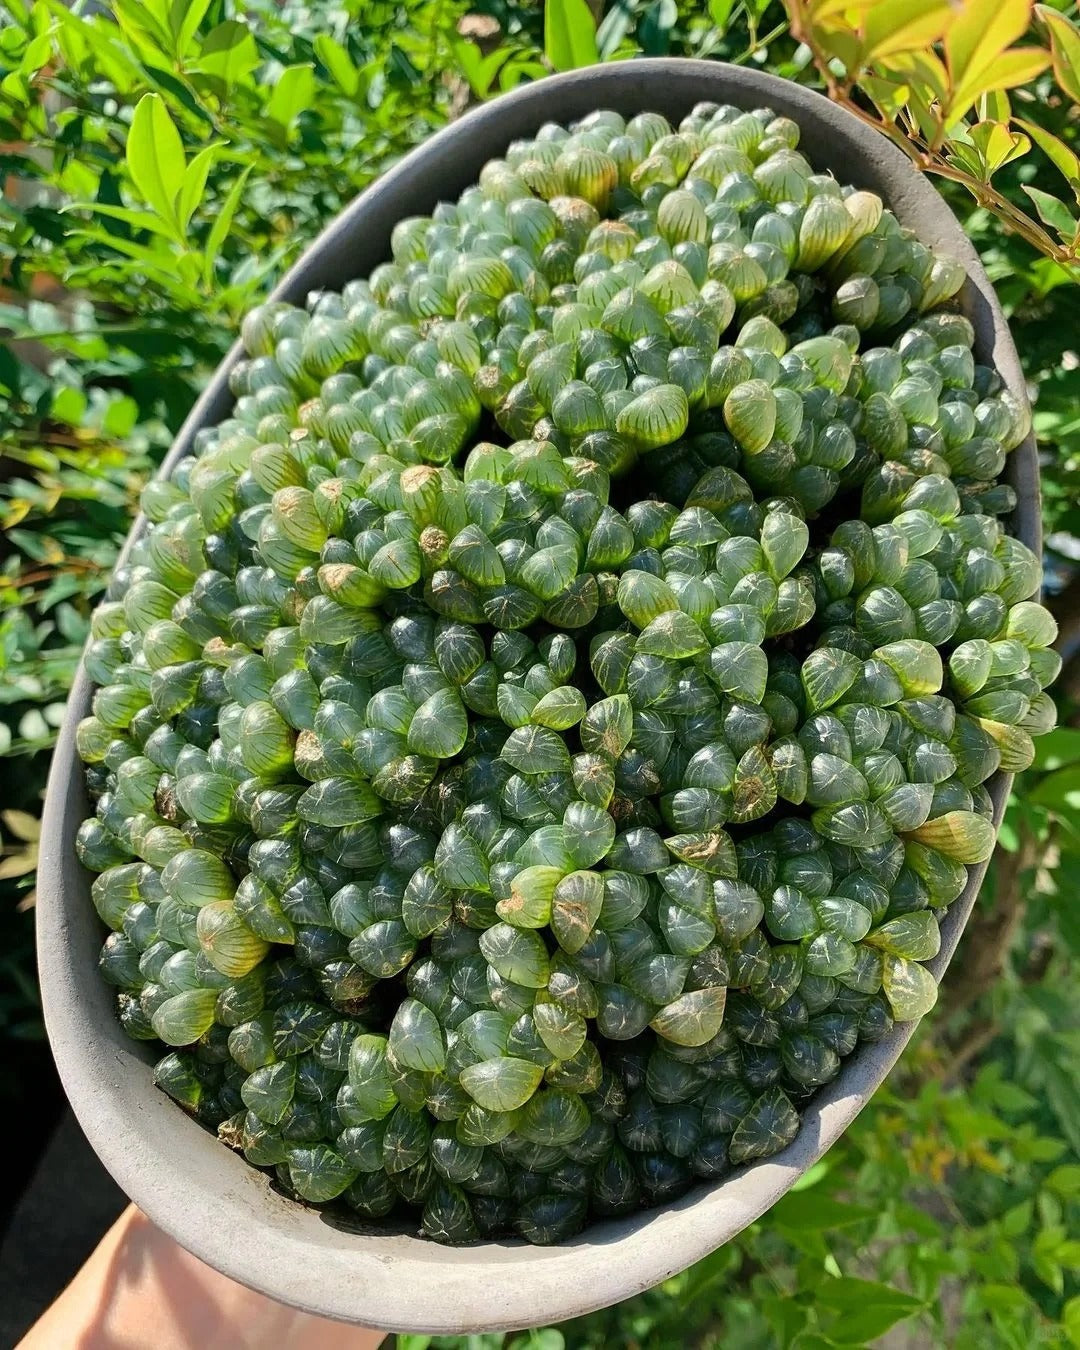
(139, 1290)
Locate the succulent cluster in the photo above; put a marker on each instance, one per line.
(539, 730)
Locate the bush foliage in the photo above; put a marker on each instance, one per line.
(164, 162)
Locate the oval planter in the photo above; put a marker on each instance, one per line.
(210, 1199)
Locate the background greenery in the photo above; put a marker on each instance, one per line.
(946, 1216)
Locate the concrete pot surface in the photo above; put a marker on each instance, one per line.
(206, 1196)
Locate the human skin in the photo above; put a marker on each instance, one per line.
(139, 1290)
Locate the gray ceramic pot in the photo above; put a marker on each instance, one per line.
(207, 1197)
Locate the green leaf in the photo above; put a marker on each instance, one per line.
(614, 27)
(1017, 1220)
(1065, 49)
(478, 69)
(848, 1294)
(1057, 152)
(68, 405)
(888, 97)
(1057, 748)
(293, 94)
(228, 53)
(138, 220)
(194, 183)
(1059, 791)
(1065, 1180)
(147, 30)
(184, 19)
(997, 145)
(1053, 212)
(220, 230)
(894, 26)
(654, 30)
(338, 62)
(720, 12)
(980, 33)
(808, 1212)
(863, 1325)
(1013, 68)
(1070, 1320)
(155, 156)
(569, 34)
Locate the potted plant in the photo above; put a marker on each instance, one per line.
(207, 1197)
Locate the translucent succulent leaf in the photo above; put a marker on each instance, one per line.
(561, 709)
(707, 850)
(916, 664)
(1031, 624)
(503, 1084)
(439, 726)
(231, 946)
(914, 936)
(827, 674)
(194, 877)
(536, 749)
(909, 987)
(642, 597)
(961, 835)
(518, 955)
(740, 669)
(655, 418)
(750, 415)
(906, 806)
(673, 635)
(767, 1127)
(588, 833)
(835, 780)
(416, 1039)
(790, 914)
(577, 905)
(784, 540)
(857, 824)
(529, 903)
(318, 1173)
(185, 1016)
(549, 571)
(607, 727)
(754, 790)
(621, 1015)
(562, 1031)
(692, 1019)
(426, 905)
(372, 1090)
(338, 802)
(268, 1091)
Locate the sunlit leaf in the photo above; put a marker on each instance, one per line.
(338, 62)
(569, 34)
(293, 94)
(1057, 152)
(1052, 211)
(980, 33)
(894, 26)
(1065, 47)
(155, 156)
(222, 223)
(1010, 69)
(194, 183)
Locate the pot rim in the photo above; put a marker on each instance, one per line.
(209, 1199)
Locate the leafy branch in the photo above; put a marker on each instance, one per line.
(935, 79)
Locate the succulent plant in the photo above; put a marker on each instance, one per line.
(515, 793)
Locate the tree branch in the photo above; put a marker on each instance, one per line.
(990, 932)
